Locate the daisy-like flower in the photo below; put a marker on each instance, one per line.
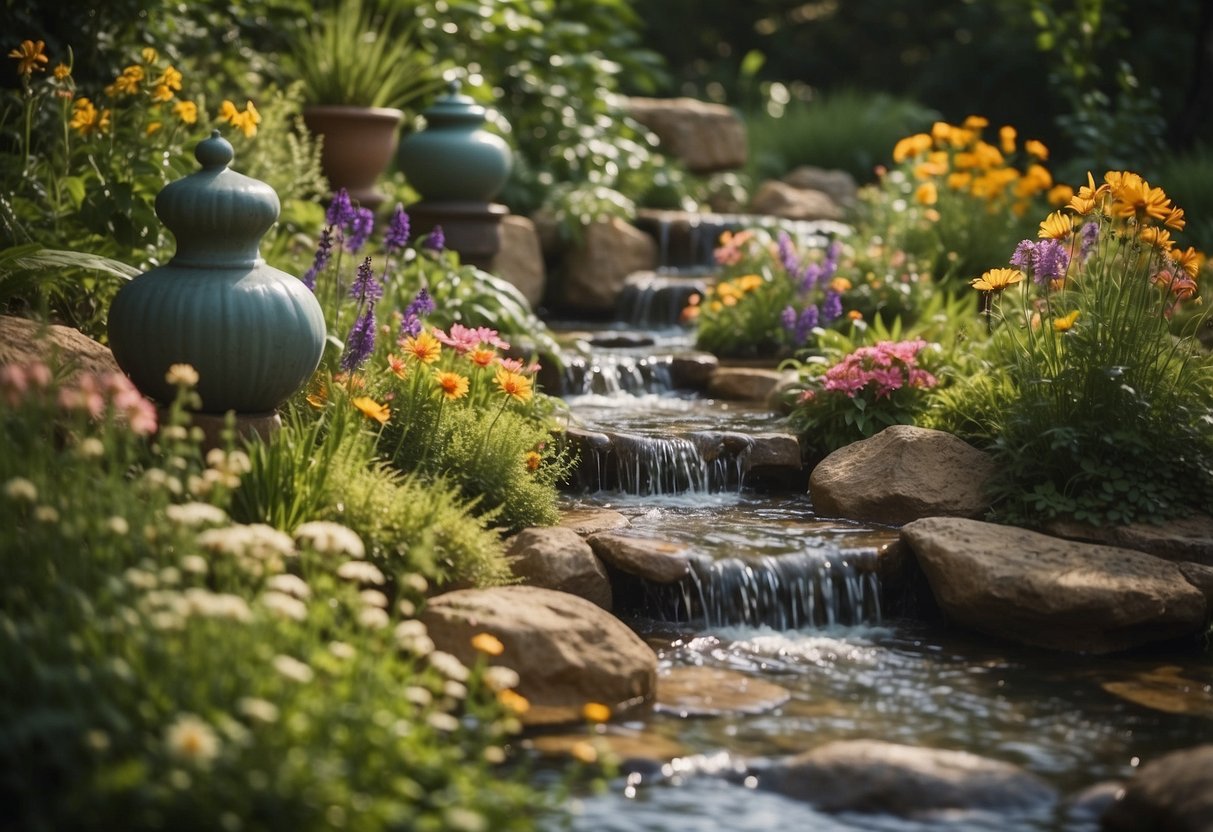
(453, 385)
(1056, 226)
(514, 385)
(396, 365)
(996, 280)
(483, 357)
(182, 375)
(372, 409)
(87, 119)
(191, 739)
(293, 669)
(1187, 259)
(29, 57)
(422, 347)
(361, 572)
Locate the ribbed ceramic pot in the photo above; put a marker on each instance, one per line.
(454, 158)
(254, 333)
(359, 143)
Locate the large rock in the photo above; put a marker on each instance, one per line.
(1171, 794)
(751, 384)
(23, 341)
(557, 558)
(596, 269)
(519, 257)
(837, 184)
(567, 651)
(874, 776)
(779, 199)
(705, 137)
(1045, 591)
(901, 474)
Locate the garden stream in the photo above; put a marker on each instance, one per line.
(781, 595)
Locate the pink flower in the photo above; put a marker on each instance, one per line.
(516, 365)
(464, 339)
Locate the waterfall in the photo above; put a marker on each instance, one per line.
(662, 465)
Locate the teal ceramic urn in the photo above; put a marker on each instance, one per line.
(454, 159)
(254, 333)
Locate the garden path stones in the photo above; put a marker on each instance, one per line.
(714, 691)
(882, 777)
(567, 651)
(901, 474)
(1048, 592)
(659, 561)
(1173, 792)
(558, 558)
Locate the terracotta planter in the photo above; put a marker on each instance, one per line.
(359, 144)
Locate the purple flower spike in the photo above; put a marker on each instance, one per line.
(436, 241)
(361, 226)
(324, 251)
(365, 287)
(340, 212)
(397, 236)
(831, 307)
(420, 306)
(361, 341)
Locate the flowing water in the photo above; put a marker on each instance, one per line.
(782, 595)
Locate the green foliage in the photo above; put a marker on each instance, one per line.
(845, 130)
(1188, 178)
(165, 666)
(361, 53)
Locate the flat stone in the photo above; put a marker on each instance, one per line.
(587, 521)
(1164, 689)
(752, 384)
(1173, 793)
(881, 777)
(1187, 538)
(901, 474)
(557, 558)
(659, 561)
(714, 691)
(692, 370)
(1049, 592)
(779, 199)
(567, 651)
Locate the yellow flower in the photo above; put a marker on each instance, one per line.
(855, 315)
(488, 644)
(454, 386)
(371, 409)
(423, 347)
(1175, 219)
(87, 119)
(1060, 195)
(1159, 238)
(29, 57)
(397, 366)
(596, 712)
(1188, 260)
(911, 146)
(840, 285)
(533, 459)
(170, 78)
(1035, 148)
(514, 385)
(1056, 226)
(161, 93)
(127, 83)
(749, 282)
(149, 55)
(976, 122)
(245, 121)
(62, 72)
(926, 194)
(152, 127)
(996, 280)
(1006, 138)
(187, 111)
(513, 701)
(959, 180)
(584, 752)
(1063, 324)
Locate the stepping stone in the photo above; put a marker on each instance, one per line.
(659, 561)
(588, 521)
(714, 691)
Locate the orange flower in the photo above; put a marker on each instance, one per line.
(1034, 148)
(29, 57)
(926, 194)
(532, 461)
(513, 385)
(596, 712)
(513, 701)
(1188, 260)
(397, 366)
(482, 357)
(1060, 195)
(488, 644)
(371, 409)
(453, 385)
(423, 347)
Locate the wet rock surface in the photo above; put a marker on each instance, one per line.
(1048, 592)
(558, 558)
(1173, 793)
(714, 691)
(659, 561)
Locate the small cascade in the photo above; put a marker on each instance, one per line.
(653, 299)
(661, 465)
(785, 592)
(605, 373)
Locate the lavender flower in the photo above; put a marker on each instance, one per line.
(340, 212)
(397, 236)
(1045, 259)
(324, 250)
(787, 254)
(361, 341)
(361, 225)
(436, 241)
(417, 309)
(831, 307)
(365, 287)
(799, 326)
(1090, 236)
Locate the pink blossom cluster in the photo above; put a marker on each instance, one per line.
(92, 393)
(464, 339)
(882, 369)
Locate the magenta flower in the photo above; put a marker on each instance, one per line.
(464, 339)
